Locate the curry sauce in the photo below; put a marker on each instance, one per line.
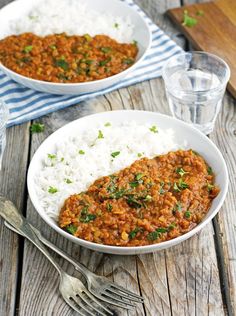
(151, 201)
(66, 59)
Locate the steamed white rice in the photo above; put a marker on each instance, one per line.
(74, 18)
(79, 160)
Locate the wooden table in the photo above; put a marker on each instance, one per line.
(197, 277)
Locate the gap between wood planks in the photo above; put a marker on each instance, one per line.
(21, 243)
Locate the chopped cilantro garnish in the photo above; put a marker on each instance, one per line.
(28, 49)
(161, 190)
(147, 198)
(139, 176)
(134, 42)
(109, 207)
(132, 201)
(118, 194)
(128, 61)
(37, 128)
(62, 159)
(187, 214)
(105, 61)
(52, 190)
(176, 188)
(171, 226)
(68, 181)
(139, 155)
(86, 217)
(153, 129)
(116, 25)
(188, 20)
(162, 230)
(107, 124)
(81, 152)
(88, 37)
(115, 154)
(53, 47)
(52, 156)
(181, 171)
(71, 229)
(210, 187)
(183, 185)
(134, 232)
(105, 50)
(62, 64)
(209, 171)
(100, 134)
(153, 236)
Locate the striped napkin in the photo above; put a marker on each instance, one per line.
(25, 104)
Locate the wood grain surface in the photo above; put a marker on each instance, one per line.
(215, 31)
(197, 277)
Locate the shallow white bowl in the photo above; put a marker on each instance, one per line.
(142, 35)
(195, 140)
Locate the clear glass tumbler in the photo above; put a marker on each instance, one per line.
(3, 123)
(195, 84)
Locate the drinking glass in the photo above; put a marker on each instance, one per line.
(195, 84)
(3, 123)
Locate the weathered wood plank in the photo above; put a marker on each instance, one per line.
(224, 136)
(12, 185)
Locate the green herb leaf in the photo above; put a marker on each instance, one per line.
(153, 129)
(109, 207)
(183, 185)
(209, 170)
(132, 201)
(188, 20)
(88, 37)
(81, 152)
(85, 217)
(118, 194)
(187, 214)
(100, 134)
(25, 60)
(68, 181)
(107, 124)
(139, 155)
(105, 50)
(181, 171)
(147, 198)
(62, 64)
(162, 230)
(161, 190)
(52, 156)
(71, 229)
(135, 43)
(128, 61)
(134, 232)
(139, 176)
(105, 61)
(176, 188)
(210, 187)
(153, 236)
(37, 128)
(115, 154)
(52, 190)
(116, 25)
(28, 49)
(171, 226)
(53, 47)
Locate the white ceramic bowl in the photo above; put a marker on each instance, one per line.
(195, 140)
(141, 34)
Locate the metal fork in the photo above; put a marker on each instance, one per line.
(99, 286)
(72, 289)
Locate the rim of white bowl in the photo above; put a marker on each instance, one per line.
(120, 250)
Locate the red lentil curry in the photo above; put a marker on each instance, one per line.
(151, 201)
(66, 59)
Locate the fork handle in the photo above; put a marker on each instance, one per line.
(78, 266)
(21, 225)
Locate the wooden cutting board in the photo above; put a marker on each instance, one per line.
(215, 31)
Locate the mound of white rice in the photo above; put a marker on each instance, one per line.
(74, 18)
(79, 160)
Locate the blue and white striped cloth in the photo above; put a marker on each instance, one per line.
(25, 104)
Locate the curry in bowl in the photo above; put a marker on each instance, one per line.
(151, 201)
(61, 58)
